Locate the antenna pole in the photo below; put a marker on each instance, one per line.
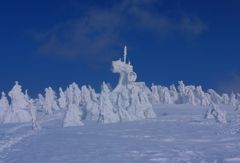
(125, 54)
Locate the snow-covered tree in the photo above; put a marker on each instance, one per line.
(50, 101)
(93, 106)
(77, 94)
(190, 97)
(215, 113)
(233, 101)
(33, 111)
(215, 97)
(18, 112)
(62, 101)
(39, 101)
(4, 106)
(122, 104)
(173, 93)
(70, 95)
(72, 116)
(164, 95)
(225, 99)
(133, 102)
(73, 95)
(201, 96)
(107, 115)
(146, 105)
(87, 102)
(18, 98)
(134, 108)
(154, 95)
(182, 92)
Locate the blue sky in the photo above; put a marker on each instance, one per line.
(54, 43)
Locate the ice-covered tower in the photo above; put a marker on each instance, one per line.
(127, 75)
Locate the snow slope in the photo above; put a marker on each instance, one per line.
(179, 133)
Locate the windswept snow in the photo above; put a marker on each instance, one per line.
(178, 134)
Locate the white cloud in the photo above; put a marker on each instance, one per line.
(101, 30)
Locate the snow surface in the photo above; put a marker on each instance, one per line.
(179, 133)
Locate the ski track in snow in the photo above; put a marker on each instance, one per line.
(10, 137)
(178, 134)
(12, 141)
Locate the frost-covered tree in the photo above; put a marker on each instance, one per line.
(18, 98)
(123, 104)
(72, 116)
(135, 109)
(50, 101)
(225, 99)
(93, 106)
(164, 95)
(201, 96)
(39, 101)
(106, 115)
(74, 95)
(133, 102)
(62, 101)
(182, 92)
(33, 111)
(217, 114)
(70, 95)
(173, 93)
(77, 94)
(18, 112)
(4, 106)
(146, 105)
(215, 97)
(154, 95)
(85, 93)
(87, 101)
(190, 97)
(233, 101)
(74, 113)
